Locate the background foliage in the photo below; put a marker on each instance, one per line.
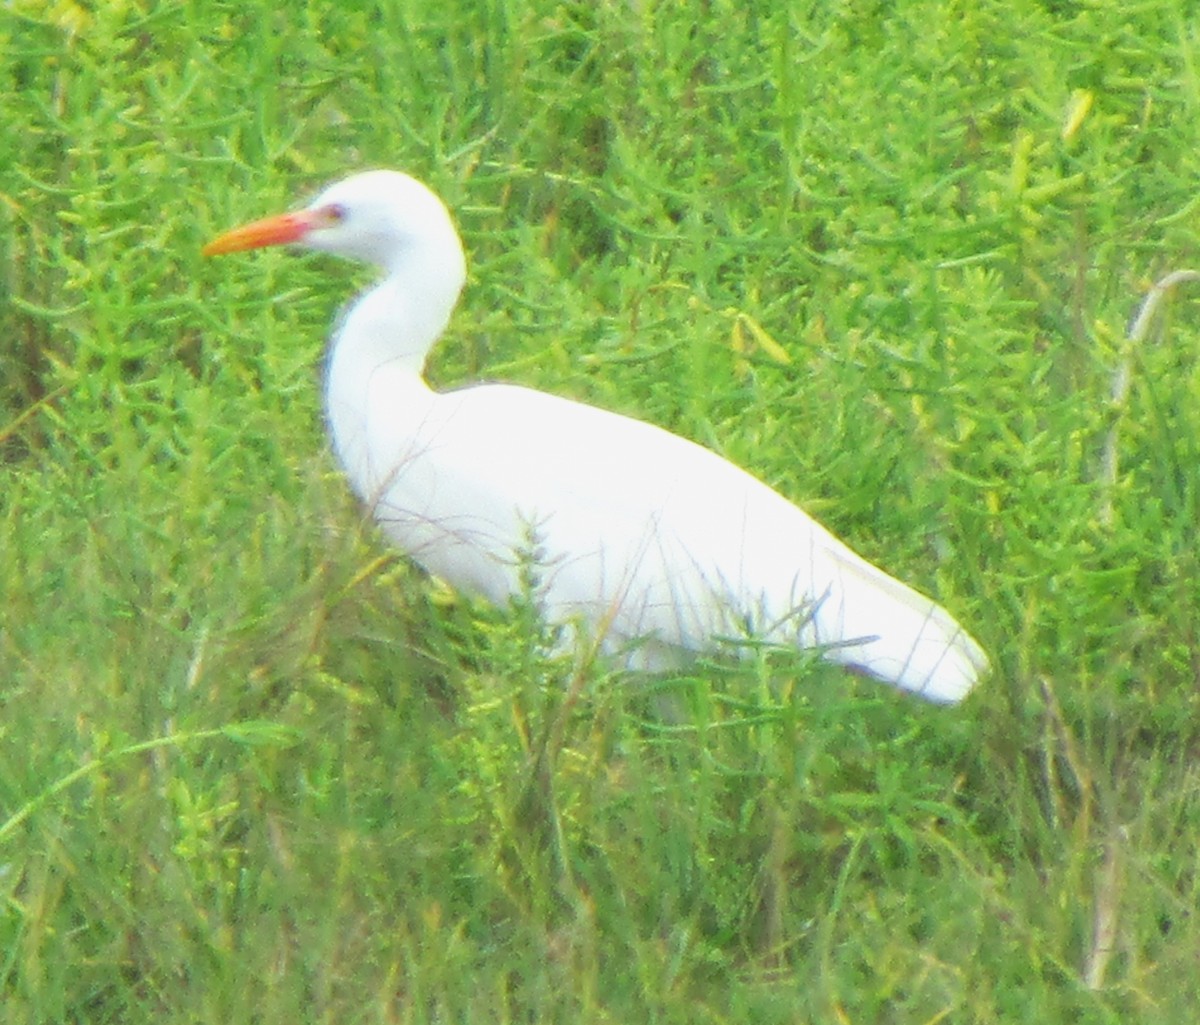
(254, 767)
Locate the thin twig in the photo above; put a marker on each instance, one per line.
(1123, 377)
(11, 427)
(1104, 913)
(249, 732)
(1069, 750)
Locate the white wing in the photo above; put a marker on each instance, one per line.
(652, 540)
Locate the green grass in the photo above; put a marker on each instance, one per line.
(255, 768)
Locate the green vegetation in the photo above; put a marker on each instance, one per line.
(255, 768)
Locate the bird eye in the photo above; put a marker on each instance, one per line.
(335, 213)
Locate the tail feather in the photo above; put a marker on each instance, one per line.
(897, 635)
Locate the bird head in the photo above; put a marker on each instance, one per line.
(385, 218)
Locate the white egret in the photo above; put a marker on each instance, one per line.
(652, 546)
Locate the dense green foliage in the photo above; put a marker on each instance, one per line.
(255, 768)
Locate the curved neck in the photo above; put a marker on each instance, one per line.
(382, 341)
(396, 322)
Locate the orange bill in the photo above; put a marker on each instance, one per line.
(270, 231)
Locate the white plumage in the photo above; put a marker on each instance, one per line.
(654, 546)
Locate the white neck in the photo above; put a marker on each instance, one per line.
(380, 346)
